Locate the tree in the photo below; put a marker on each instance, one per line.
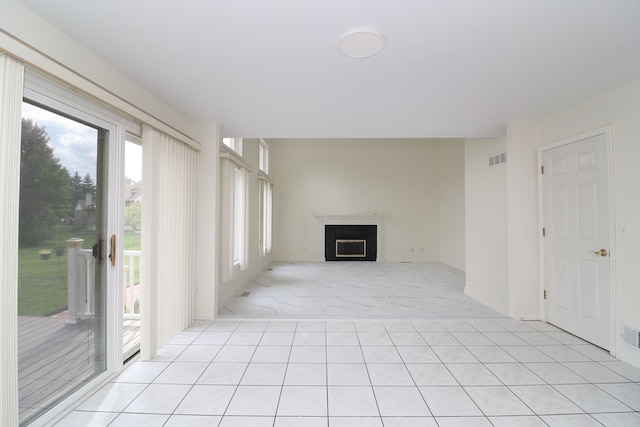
(133, 217)
(44, 187)
(88, 187)
(77, 193)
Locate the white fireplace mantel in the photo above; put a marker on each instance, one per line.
(352, 220)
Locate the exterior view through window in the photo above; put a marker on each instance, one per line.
(132, 246)
(60, 297)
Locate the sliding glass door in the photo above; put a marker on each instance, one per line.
(63, 245)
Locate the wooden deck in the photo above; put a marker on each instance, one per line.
(55, 357)
(130, 338)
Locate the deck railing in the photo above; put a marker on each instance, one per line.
(81, 282)
(131, 285)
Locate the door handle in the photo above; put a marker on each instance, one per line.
(112, 253)
(601, 252)
(98, 250)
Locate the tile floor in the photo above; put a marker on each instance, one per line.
(391, 373)
(357, 290)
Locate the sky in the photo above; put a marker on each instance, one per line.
(74, 144)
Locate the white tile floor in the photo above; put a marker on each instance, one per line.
(367, 344)
(357, 290)
(404, 372)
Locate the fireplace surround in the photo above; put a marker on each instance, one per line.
(350, 245)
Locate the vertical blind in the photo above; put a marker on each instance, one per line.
(168, 218)
(11, 85)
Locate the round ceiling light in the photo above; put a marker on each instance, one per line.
(361, 44)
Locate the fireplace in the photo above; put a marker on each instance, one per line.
(350, 242)
(372, 220)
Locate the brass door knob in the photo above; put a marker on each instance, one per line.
(601, 252)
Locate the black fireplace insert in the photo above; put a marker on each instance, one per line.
(350, 242)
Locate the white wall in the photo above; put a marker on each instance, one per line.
(522, 220)
(486, 223)
(619, 108)
(400, 179)
(452, 203)
(206, 226)
(256, 261)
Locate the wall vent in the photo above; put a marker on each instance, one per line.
(497, 159)
(631, 336)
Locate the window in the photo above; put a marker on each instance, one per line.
(234, 143)
(263, 161)
(265, 190)
(266, 214)
(233, 215)
(239, 218)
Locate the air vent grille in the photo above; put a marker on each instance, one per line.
(631, 336)
(497, 159)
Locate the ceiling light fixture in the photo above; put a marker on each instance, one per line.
(361, 44)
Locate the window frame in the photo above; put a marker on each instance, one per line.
(263, 156)
(234, 227)
(239, 218)
(265, 221)
(235, 144)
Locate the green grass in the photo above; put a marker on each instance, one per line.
(42, 284)
(132, 242)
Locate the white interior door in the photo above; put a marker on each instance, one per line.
(577, 238)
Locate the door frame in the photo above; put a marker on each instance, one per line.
(54, 95)
(608, 132)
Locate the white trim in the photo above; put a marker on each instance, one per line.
(608, 132)
(37, 83)
(263, 177)
(115, 226)
(11, 86)
(352, 220)
(541, 266)
(234, 158)
(29, 54)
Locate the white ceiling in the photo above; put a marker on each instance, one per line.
(450, 68)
